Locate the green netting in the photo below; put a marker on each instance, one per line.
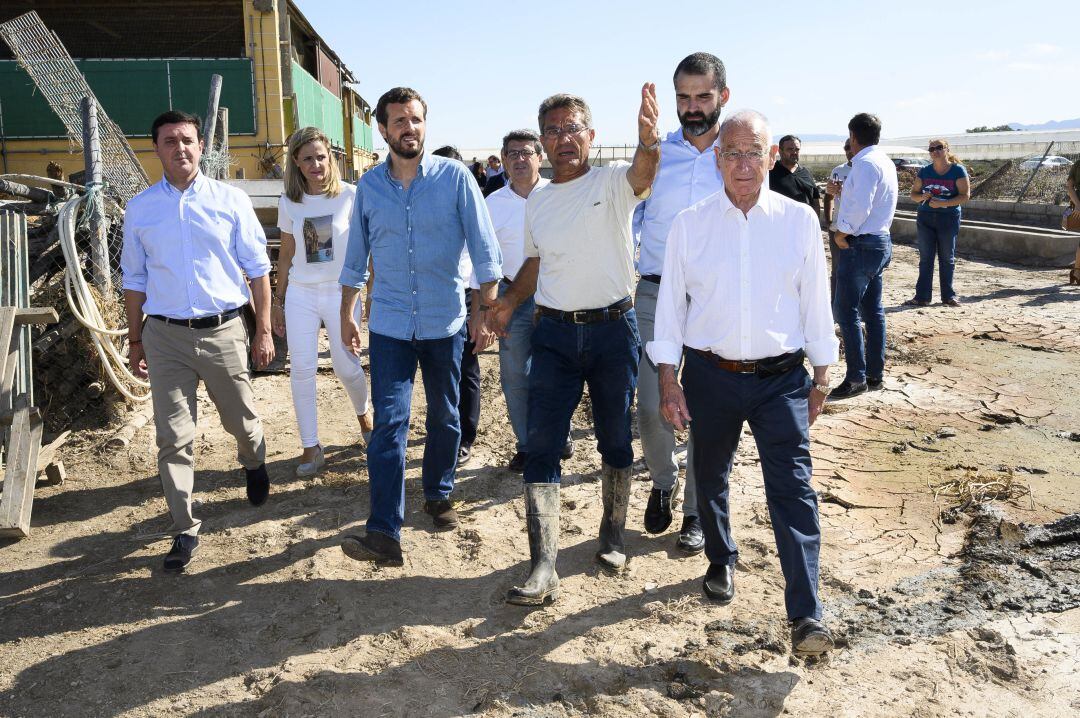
(133, 93)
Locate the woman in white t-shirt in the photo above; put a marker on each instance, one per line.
(313, 216)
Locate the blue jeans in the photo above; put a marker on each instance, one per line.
(776, 408)
(393, 371)
(937, 233)
(566, 357)
(515, 363)
(858, 298)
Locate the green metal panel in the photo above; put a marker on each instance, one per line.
(361, 134)
(318, 107)
(133, 93)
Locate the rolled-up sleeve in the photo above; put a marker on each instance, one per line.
(133, 256)
(667, 344)
(815, 312)
(250, 240)
(856, 199)
(480, 238)
(354, 272)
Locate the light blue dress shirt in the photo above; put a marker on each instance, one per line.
(868, 202)
(416, 238)
(189, 251)
(685, 177)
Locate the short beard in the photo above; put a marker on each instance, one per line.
(405, 154)
(696, 128)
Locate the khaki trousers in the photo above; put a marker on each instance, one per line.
(177, 358)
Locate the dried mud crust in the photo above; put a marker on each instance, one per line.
(933, 618)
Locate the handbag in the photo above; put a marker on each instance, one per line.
(1070, 221)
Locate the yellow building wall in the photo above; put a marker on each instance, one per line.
(256, 156)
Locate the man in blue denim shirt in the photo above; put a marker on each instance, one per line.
(866, 213)
(580, 263)
(414, 215)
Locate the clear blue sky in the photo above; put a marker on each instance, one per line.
(484, 67)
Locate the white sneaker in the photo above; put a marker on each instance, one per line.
(311, 468)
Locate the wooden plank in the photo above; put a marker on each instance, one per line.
(7, 379)
(7, 325)
(35, 315)
(47, 455)
(8, 415)
(18, 498)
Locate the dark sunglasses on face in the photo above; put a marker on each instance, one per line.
(936, 148)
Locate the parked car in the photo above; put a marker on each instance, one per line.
(909, 164)
(1049, 161)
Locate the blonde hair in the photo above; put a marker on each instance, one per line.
(953, 159)
(295, 184)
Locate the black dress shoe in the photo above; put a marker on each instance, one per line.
(517, 464)
(719, 583)
(658, 511)
(873, 384)
(463, 452)
(442, 514)
(847, 389)
(810, 637)
(258, 485)
(373, 546)
(691, 537)
(179, 556)
(567, 450)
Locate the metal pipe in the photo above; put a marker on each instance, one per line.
(211, 114)
(99, 247)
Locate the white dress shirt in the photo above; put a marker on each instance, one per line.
(189, 251)
(868, 201)
(507, 210)
(745, 287)
(685, 177)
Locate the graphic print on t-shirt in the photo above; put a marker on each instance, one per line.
(319, 239)
(940, 188)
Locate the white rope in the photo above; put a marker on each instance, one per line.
(85, 309)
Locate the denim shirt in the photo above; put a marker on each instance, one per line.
(416, 237)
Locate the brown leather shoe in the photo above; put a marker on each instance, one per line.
(442, 514)
(373, 546)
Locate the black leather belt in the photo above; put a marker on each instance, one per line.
(770, 366)
(589, 316)
(654, 278)
(201, 322)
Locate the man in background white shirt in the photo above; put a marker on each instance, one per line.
(866, 213)
(687, 174)
(745, 296)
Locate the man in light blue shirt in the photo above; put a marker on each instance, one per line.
(867, 205)
(189, 242)
(414, 215)
(688, 174)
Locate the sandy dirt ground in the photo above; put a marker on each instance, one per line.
(937, 611)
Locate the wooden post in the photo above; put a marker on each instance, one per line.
(99, 248)
(211, 114)
(223, 145)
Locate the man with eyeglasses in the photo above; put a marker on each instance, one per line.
(867, 205)
(688, 173)
(745, 301)
(580, 263)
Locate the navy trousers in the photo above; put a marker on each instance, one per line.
(776, 408)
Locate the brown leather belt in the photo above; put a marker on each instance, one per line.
(762, 367)
(589, 316)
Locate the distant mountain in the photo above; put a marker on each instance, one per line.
(1052, 125)
(823, 138)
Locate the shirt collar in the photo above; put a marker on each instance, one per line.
(765, 201)
(863, 152)
(196, 186)
(677, 136)
(426, 163)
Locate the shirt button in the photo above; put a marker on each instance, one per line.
(407, 207)
(414, 292)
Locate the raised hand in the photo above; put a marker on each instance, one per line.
(648, 116)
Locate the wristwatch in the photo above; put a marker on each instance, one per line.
(823, 388)
(649, 148)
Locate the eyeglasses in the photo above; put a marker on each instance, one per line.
(520, 154)
(751, 156)
(936, 148)
(571, 129)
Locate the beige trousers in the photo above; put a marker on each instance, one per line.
(177, 358)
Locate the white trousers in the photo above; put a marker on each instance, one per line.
(307, 308)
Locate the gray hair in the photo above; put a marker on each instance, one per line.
(569, 102)
(752, 119)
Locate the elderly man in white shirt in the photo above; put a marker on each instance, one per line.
(687, 174)
(745, 297)
(867, 205)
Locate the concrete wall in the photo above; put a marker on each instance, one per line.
(1003, 212)
(1021, 245)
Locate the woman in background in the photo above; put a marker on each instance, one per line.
(314, 210)
(940, 188)
(1072, 186)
